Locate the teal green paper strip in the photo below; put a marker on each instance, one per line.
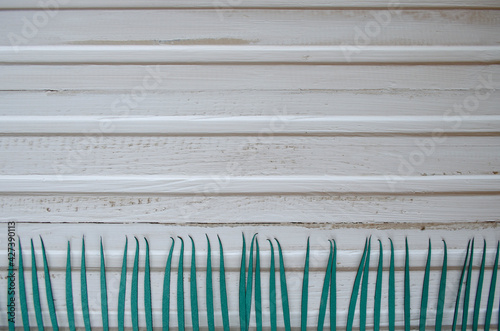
(193, 289)
(364, 290)
(48, 290)
(223, 291)
(272, 289)
(83, 290)
(477, 303)
(457, 301)
(378, 289)
(148, 311)
(242, 290)
(248, 290)
(324, 291)
(355, 290)
(258, 289)
(134, 290)
(491, 296)
(465, 308)
(36, 292)
(209, 289)
(166, 289)
(425, 290)
(392, 291)
(69, 291)
(122, 290)
(104, 292)
(442, 291)
(333, 290)
(284, 290)
(407, 287)
(22, 290)
(305, 291)
(180, 289)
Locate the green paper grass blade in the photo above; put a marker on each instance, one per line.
(425, 291)
(364, 290)
(465, 308)
(22, 290)
(457, 301)
(355, 290)
(248, 290)
(83, 290)
(180, 289)
(378, 289)
(193, 289)
(392, 291)
(69, 292)
(442, 291)
(477, 303)
(333, 290)
(104, 292)
(258, 289)
(122, 290)
(48, 290)
(166, 289)
(36, 292)
(491, 296)
(284, 290)
(147, 291)
(324, 292)
(209, 289)
(272, 289)
(305, 291)
(223, 291)
(407, 287)
(242, 291)
(134, 290)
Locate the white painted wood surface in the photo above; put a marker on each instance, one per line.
(292, 119)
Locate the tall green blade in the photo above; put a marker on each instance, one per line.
(223, 291)
(242, 287)
(104, 292)
(364, 290)
(392, 291)
(333, 290)
(465, 308)
(258, 289)
(442, 290)
(457, 301)
(83, 290)
(36, 292)
(324, 292)
(166, 289)
(209, 290)
(148, 311)
(193, 289)
(272, 289)
(305, 291)
(180, 289)
(248, 290)
(378, 289)
(491, 296)
(477, 303)
(22, 291)
(122, 290)
(48, 290)
(425, 291)
(407, 287)
(284, 290)
(355, 290)
(134, 290)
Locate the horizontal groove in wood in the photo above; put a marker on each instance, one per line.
(248, 54)
(214, 185)
(250, 125)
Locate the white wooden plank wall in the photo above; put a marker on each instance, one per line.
(293, 119)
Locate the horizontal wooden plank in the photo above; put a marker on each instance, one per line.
(249, 184)
(139, 80)
(155, 4)
(248, 54)
(388, 26)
